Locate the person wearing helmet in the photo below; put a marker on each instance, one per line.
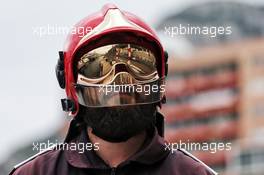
(114, 78)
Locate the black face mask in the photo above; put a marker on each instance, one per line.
(118, 124)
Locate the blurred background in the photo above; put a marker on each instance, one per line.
(215, 87)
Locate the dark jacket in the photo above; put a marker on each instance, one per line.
(152, 159)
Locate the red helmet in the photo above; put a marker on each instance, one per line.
(108, 26)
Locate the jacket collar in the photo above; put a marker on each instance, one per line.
(152, 151)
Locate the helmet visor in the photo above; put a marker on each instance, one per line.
(120, 94)
(117, 75)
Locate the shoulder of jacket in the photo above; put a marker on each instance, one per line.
(198, 160)
(49, 149)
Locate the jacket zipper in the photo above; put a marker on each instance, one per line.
(113, 171)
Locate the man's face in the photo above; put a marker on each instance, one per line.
(111, 85)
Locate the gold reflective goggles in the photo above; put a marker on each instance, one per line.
(118, 74)
(102, 64)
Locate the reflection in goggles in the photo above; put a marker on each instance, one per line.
(107, 61)
(118, 74)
